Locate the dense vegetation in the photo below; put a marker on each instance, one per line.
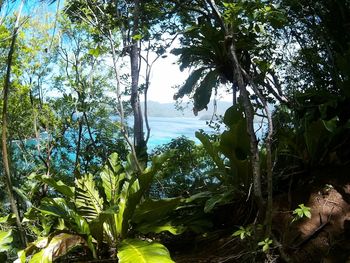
(79, 184)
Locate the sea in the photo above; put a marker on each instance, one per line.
(164, 129)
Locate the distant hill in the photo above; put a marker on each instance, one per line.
(156, 109)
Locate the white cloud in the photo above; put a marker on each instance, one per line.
(165, 75)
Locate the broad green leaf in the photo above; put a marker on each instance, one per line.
(201, 195)
(265, 247)
(122, 223)
(202, 94)
(218, 200)
(190, 83)
(112, 178)
(5, 240)
(233, 115)
(24, 197)
(133, 250)
(169, 226)
(10, 218)
(59, 208)
(211, 150)
(59, 186)
(21, 257)
(307, 213)
(87, 198)
(94, 52)
(132, 192)
(40, 243)
(331, 125)
(235, 142)
(152, 210)
(39, 258)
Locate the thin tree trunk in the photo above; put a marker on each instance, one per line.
(77, 152)
(268, 142)
(139, 140)
(5, 154)
(146, 113)
(234, 94)
(249, 114)
(120, 107)
(89, 131)
(269, 174)
(248, 110)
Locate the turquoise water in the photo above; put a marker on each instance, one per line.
(163, 130)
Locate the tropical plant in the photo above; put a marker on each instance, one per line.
(203, 47)
(231, 153)
(301, 212)
(93, 213)
(186, 172)
(265, 244)
(5, 243)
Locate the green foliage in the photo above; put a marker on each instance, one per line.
(243, 232)
(265, 244)
(186, 170)
(133, 250)
(219, 199)
(203, 47)
(301, 212)
(234, 168)
(60, 124)
(87, 198)
(100, 218)
(5, 240)
(314, 135)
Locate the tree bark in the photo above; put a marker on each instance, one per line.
(268, 143)
(234, 94)
(248, 109)
(249, 114)
(120, 107)
(5, 154)
(139, 140)
(77, 151)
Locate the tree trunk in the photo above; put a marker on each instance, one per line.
(77, 152)
(249, 114)
(5, 154)
(139, 140)
(268, 142)
(248, 109)
(234, 94)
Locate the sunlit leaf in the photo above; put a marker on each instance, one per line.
(169, 226)
(5, 240)
(133, 250)
(112, 178)
(87, 198)
(58, 186)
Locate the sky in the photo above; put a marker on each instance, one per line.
(165, 71)
(165, 75)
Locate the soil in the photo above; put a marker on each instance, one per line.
(325, 237)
